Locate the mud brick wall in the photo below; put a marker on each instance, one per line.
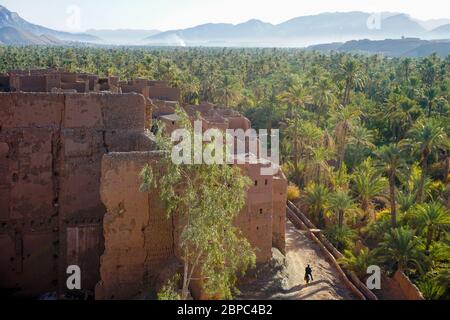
(239, 123)
(255, 220)
(35, 83)
(139, 237)
(79, 86)
(53, 81)
(28, 232)
(409, 290)
(141, 241)
(51, 214)
(279, 196)
(164, 93)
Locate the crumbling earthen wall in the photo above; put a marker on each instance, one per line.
(139, 236)
(51, 212)
(164, 93)
(66, 160)
(141, 240)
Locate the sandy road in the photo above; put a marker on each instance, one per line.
(302, 251)
(289, 283)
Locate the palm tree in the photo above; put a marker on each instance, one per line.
(294, 137)
(432, 218)
(411, 182)
(431, 290)
(341, 204)
(353, 77)
(316, 198)
(443, 277)
(368, 185)
(391, 162)
(431, 98)
(295, 97)
(346, 119)
(428, 72)
(406, 66)
(426, 138)
(323, 98)
(229, 92)
(320, 163)
(398, 115)
(358, 262)
(341, 237)
(360, 143)
(302, 136)
(403, 249)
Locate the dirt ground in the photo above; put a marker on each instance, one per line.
(284, 278)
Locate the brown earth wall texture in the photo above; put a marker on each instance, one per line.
(69, 180)
(51, 214)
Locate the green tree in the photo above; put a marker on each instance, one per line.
(353, 77)
(392, 162)
(358, 262)
(431, 289)
(346, 119)
(295, 97)
(432, 218)
(426, 138)
(368, 185)
(402, 249)
(323, 98)
(341, 204)
(316, 197)
(206, 199)
(341, 237)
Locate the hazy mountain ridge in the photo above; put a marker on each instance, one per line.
(122, 36)
(408, 47)
(13, 20)
(433, 23)
(442, 30)
(13, 36)
(301, 31)
(325, 27)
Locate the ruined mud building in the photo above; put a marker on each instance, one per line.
(71, 148)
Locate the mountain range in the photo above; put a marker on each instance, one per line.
(122, 36)
(306, 30)
(24, 31)
(298, 32)
(407, 47)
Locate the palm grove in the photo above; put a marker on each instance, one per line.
(365, 138)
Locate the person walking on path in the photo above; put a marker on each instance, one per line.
(308, 274)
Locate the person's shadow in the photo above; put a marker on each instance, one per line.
(300, 287)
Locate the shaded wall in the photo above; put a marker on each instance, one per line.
(279, 196)
(51, 146)
(164, 93)
(138, 234)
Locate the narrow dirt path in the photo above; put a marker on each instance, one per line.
(285, 279)
(302, 251)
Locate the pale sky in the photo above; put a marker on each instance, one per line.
(175, 14)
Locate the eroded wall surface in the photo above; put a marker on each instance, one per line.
(139, 236)
(69, 167)
(51, 214)
(141, 241)
(279, 196)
